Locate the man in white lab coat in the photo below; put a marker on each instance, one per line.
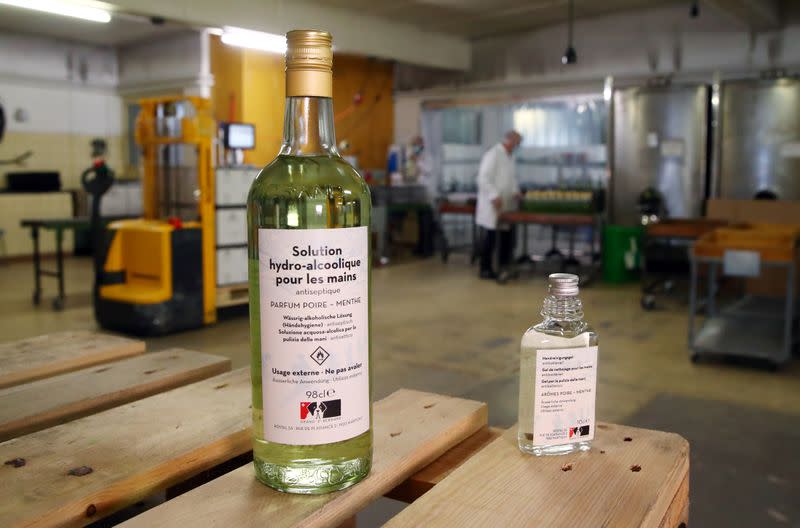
(498, 192)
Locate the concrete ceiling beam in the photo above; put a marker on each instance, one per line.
(353, 32)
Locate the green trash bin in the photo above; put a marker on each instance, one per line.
(621, 253)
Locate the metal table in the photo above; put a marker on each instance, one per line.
(752, 326)
(555, 220)
(58, 226)
(459, 209)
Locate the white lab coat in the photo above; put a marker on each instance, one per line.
(426, 177)
(496, 178)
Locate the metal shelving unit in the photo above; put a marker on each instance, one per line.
(751, 326)
(232, 185)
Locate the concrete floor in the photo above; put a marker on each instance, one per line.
(436, 327)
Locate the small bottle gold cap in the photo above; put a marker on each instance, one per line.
(309, 63)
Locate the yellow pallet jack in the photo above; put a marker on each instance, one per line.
(158, 273)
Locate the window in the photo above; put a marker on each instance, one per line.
(562, 123)
(461, 126)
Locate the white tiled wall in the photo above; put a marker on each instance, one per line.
(16, 207)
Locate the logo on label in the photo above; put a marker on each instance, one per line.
(320, 355)
(583, 430)
(320, 410)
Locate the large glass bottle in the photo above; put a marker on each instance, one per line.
(309, 268)
(558, 375)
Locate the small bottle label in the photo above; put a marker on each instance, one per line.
(314, 334)
(566, 381)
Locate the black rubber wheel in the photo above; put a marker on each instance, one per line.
(58, 304)
(695, 357)
(445, 256)
(37, 299)
(648, 302)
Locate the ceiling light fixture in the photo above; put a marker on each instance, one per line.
(69, 9)
(246, 38)
(570, 56)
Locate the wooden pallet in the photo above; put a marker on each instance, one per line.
(44, 403)
(132, 451)
(57, 353)
(140, 448)
(631, 477)
(421, 482)
(411, 430)
(232, 295)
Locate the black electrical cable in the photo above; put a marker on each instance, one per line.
(570, 55)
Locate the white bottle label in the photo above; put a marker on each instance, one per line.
(314, 334)
(566, 381)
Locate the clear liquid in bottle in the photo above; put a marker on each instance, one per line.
(558, 375)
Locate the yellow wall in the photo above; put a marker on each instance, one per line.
(226, 94)
(262, 103)
(255, 81)
(368, 126)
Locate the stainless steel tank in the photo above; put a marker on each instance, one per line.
(659, 141)
(759, 139)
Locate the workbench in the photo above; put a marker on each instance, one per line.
(191, 445)
(556, 221)
(464, 210)
(58, 226)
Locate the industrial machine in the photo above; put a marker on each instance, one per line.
(659, 142)
(758, 144)
(158, 271)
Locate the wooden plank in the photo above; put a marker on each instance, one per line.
(522, 217)
(500, 486)
(422, 481)
(44, 403)
(690, 228)
(57, 353)
(134, 451)
(411, 429)
(678, 512)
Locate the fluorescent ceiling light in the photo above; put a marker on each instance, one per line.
(85, 12)
(246, 38)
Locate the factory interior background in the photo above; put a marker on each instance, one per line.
(659, 161)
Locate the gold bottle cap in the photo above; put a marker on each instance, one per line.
(309, 63)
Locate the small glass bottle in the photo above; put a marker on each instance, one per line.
(558, 375)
